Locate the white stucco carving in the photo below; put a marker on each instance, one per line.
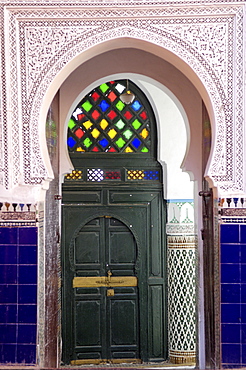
(40, 41)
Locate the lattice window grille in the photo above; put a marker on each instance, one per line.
(142, 175)
(74, 175)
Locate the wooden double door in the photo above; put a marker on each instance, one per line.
(105, 291)
(113, 304)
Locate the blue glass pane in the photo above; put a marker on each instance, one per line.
(104, 105)
(136, 105)
(151, 175)
(136, 143)
(104, 143)
(71, 142)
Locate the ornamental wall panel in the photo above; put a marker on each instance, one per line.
(40, 40)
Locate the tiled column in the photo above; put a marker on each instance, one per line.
(181, 261)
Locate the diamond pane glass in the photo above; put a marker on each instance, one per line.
(74, 175)
(143, 175)
(103, 123)
(136, 105)
(95, 175)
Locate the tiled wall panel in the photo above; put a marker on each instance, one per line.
(18, 294)
(233, 295)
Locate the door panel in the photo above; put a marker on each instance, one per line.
(87, 323)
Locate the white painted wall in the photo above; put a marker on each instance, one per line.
(172, 143)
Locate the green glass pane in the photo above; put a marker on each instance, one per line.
(128, 134)
(120, 142)
(144, 150)
(136, 124)
(87, 106)
(104, 87)
(87, 142)
(120, 124)
(71, 124)
(120, 105)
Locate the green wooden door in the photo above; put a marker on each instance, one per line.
(112, 146)
(105, 320)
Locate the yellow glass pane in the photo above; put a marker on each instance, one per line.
(75, 175)
(95, 133)
(135, 174)
(87, 124)
(128, 150)
(144, 133)
(79, 149)
(112, 133)
(103, 124)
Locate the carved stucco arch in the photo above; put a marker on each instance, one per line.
(69, 35)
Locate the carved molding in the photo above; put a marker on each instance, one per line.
(41, 40)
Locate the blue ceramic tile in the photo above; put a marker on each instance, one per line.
(243, 253)
(28, 235)
(27, 314)
(230, 293)
(230, 253)
(230, 313)
(230, 273)
(26, 354)
(27, 294)
(26, 334)
(243, 233)
(8, 235)
(229, 234)
(8, 314)
(243, 332)
(8, 254)
(243, 313)
(243, 293)
(243, 273)
(8, 353)
(27, 274)
(8, 294)
(244, 354)
(28, 254)
(231, 353)
(7, 333)
(8, 274)
(230, 333)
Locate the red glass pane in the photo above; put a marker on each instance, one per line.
(80, 116)
(95, 149)
(111, 82)
(112, 175)
(95, 114)
(112, 96)
(95, 96)
(112, 150)
(112, 115)
(79, 133)
(143, 115)
(128, 115)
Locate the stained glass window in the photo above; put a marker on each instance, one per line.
(102, 123)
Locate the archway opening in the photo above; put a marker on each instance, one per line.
(66, 98)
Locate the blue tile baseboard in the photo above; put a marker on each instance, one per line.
(18, 294)
(233, 295)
